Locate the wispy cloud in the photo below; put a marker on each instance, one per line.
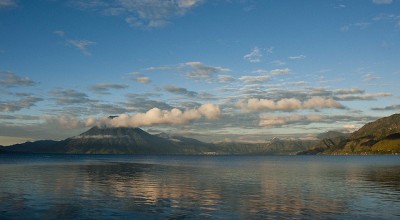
(288, 104)
(274, 120)
(103, 88)
(70, 97)
(353, 97)
(382, 2)
(180, 91)
(143, 80)
(298, 57)
(278, 62)
(10, 79)
(12, 106)
(254, 56)
(225, 78)
(8, 3)
(255, 79)
(143, 14)
(358, 25)
(387, 108)
(370, 77)
(82, 45)
(197, 70)
(269, 120)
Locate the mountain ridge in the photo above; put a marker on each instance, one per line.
(381, 136)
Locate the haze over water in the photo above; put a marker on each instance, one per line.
(187, 187)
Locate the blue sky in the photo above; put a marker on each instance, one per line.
(215, 70)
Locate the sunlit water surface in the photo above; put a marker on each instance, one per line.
(194, 187)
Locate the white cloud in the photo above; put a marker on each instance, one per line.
(352, 97)
(156, 116)
(10, 79)
(143, 14)
(280, 71)
(288, 104)
(225, 78)
(299, 57)
(197, 70)
(273, 72)
(348, 91)
(59, 33)
(255, 79)
(143, 80)
(350, 128)
(82, 45)
(254, 56)
(384, 2)
(370, 77)
(273, 120)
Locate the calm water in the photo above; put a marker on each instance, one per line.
(192, 187)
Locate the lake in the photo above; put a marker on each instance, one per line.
(198, 187)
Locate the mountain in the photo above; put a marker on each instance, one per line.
(379, 137)
(275, 146)
(103, 140)
(28, 147)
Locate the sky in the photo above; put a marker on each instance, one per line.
(215, 70)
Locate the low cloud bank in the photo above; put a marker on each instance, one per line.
(156, 116)
(291, 104)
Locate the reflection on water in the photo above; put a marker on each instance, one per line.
(234, 187)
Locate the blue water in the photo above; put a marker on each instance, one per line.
(197, 187)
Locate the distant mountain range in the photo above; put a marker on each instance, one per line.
(104, 140)
(379, 137)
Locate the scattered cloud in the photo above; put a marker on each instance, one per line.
(103, 88)
(273, 72)
(382, 2)
(138, 102)
(348, 91)
(255, 79)
(298, 57)
(180, 91)
(225, 78)
(142, 14)
(155, 116)
(358, 25)
(59, 33)
(370, 77)
(281, 120)
(19, 117)
(197, 70)
(288, 104)
(8, 3)
(350, 128)
(143, 80)
(23, 103)
(70, 97)
(278, 62)
(280, 71)
(388, 108)
(10, 79)
(273, 120)
(254, 56)
(353, 97)
(82, 45)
